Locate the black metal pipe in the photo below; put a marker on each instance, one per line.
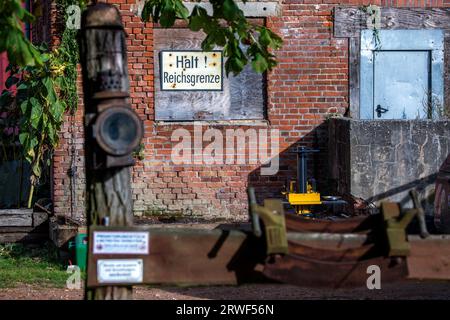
(302, 168)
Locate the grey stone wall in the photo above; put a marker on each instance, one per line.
(384, 159)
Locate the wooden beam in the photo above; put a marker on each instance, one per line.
(349, 21)
(16, 230)
(250, 8)
(39, 218)
(22, 237)
(429, 258)
(354, 79)
(16, 218)
(15, 211)
(191, 257)
(60, 233)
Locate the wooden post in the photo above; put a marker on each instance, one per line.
(106, 88)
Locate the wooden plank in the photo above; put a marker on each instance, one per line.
(429, 258)
(60, 234)
(16, 220)
(188, 257)
(23, 237)
(16, 229)
(39, 218)
(349, 21)
(330, 241)
(15, 211)
(362, 224)
(335, 255)
(354, 79)
(243, 96)
(297, 270)
(447, 70)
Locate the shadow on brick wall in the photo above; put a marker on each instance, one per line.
(271, 186)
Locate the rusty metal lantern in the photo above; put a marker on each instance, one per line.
(113, 129)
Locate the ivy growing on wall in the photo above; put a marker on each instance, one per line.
(69, 46)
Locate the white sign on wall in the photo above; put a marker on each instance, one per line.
(123, 242)
(120, 271)
(191, 70)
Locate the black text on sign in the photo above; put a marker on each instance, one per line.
(191, 70)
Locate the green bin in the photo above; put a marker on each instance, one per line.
(79, 247)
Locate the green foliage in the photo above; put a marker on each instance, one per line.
(41, 95)
(227, 27)
(26, 265)
(69, 47)
(12, 39)
(46, 87)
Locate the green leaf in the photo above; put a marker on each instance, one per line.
(230, 10)
(51, 94)
(181, 11)
(208, 43)
(234, 65)
(25, 107)
(259, 63)
(198, 19)
(196, 23)
(269, 39)
(264, 37)
(33, 142)
(168, 16)
(57, 110)
(151, 11)
(23, 137)
(51, 133)
(36, 169)
(22, 86)
(36, 112)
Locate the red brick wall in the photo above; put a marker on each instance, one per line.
(310, 82)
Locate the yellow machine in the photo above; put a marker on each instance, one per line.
(301, 194)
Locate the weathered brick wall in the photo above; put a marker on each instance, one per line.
(310, 82)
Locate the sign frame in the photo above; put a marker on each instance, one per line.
(138, 251)
(140, 261)
(160, 54)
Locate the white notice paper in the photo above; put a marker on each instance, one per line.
(123, 242)
(120, 271)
